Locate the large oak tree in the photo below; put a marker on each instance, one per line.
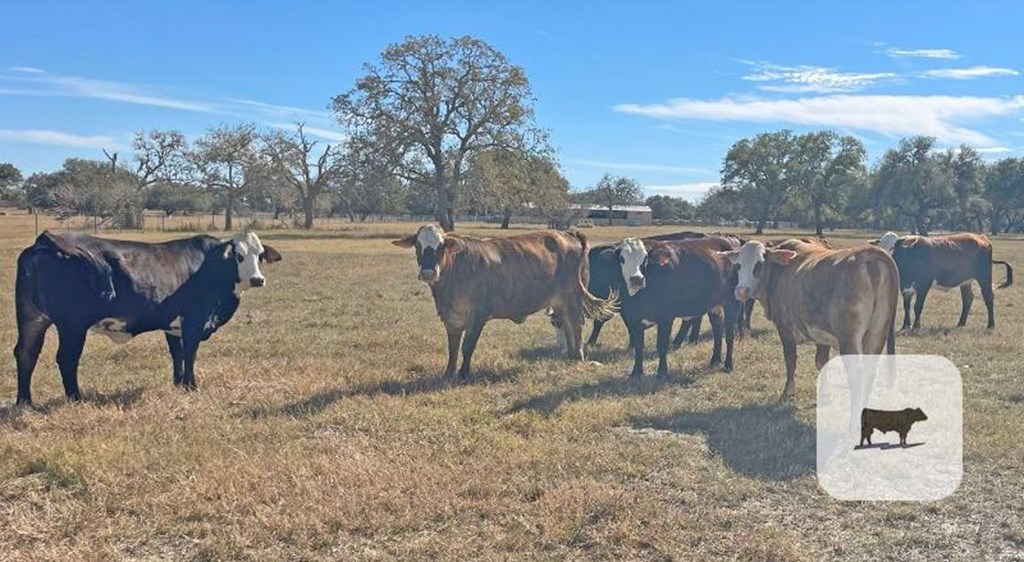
(429, 103)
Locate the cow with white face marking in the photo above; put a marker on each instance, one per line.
(665, 280)
(474, 281)
(944, 262)
(835, 298)
(186, 288)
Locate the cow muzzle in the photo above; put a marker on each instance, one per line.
(428, 275)
(636, 283)
(257, 282)
(742, 294)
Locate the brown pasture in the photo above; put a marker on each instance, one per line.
(322, 431)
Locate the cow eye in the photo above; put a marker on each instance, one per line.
(240, 258)
(622, 259)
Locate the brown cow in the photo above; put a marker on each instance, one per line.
(475, 280)
(945, 262)
(835, 298)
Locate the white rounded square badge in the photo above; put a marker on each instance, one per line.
(890, 428)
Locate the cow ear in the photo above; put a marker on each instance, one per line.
(781, 257)
(732, 255)
(873, 242)
(908, 242)
(660, 256)
(270, 255)
(407, 242)
(229, 250)
(454, 245)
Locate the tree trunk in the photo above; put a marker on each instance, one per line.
(817, 222)
(611, 207)
(922, 230)
(308, 205)
(760, 227)
(441, 207)
(229, 209)
(505, 219)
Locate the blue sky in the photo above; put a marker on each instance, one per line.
(657, 91)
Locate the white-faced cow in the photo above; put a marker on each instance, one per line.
(474, 280)
(186, 288)
(835, 298)
(944, 262)
(665, 280)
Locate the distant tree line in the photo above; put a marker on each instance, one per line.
(445, 127)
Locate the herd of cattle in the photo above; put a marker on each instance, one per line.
(837, 298)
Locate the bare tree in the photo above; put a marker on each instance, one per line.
(305, 167)
(230, 163)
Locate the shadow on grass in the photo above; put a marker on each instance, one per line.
(547, 403)
(418, 385)
(762, 440)
(121, 399)
(887, 446)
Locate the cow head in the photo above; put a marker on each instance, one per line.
(753, 258)
(887, 241)
(247, 251)
(434, 250)
(917, 414)
(632, 260)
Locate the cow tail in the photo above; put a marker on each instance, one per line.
(593, 307)
(101, 274)
(890, 340)
(1009, 274)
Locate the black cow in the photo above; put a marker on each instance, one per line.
(606, 276)
(676, 279)
(885, 421)
(186, 288)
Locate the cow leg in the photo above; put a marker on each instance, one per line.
(716, 332)
(821, 355)
(636, 337)
(903, 438)
(967, 296)
(69, 352)
(572, 329)
(748, 311)
(177, 357)
(595, 333)
(468, 347)
(454, 339)
(789, 354)
(664, 334)
(31, 335)
(922, 294)
(989, 298)
(731, 311)
(681, 335)
(906, 311)
(188, 353)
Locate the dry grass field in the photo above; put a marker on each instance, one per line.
(323, 431)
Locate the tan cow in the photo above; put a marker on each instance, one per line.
(835, 298)
(474, 280)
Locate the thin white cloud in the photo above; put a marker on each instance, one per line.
(994, 149)
(635, 166)
(938, 116)
(41, 83)
(817, 79)
(969, 73)
(922, 53)
(56, 138)
(326, 134)
(692, 192)
(29, 81)
(27, 69)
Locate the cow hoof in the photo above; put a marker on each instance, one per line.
(715, 362)
(635, 376)
(727, 368)
(786, 397)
